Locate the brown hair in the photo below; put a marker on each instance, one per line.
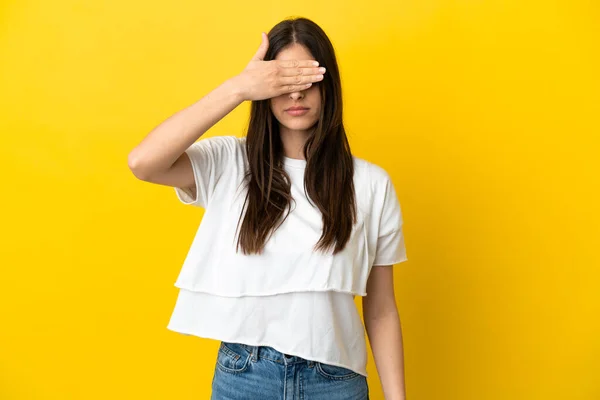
(328, 177)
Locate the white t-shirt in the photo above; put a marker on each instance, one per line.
(291, 298)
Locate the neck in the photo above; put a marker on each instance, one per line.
(293, 142)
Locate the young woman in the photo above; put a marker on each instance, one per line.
(294, 228)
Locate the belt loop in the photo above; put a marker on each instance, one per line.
(255, 353)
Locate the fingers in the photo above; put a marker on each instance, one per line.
(299, 75)
(262, 49)
(299, 79)
(297, 63)
(295, 88)
(302, 71)
(295, 79)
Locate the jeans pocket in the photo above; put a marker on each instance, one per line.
(334, 372)
(233, 357)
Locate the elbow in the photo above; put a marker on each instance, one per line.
(135, 164)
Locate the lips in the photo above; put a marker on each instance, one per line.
(297, 111)
(296, 108)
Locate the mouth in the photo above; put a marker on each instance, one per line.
(297, 111)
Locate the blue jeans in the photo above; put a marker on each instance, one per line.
(244, 372)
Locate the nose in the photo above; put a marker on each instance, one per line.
(296, 95)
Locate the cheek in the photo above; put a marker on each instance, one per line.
(314, 95)
(276, 104)
(317, 105)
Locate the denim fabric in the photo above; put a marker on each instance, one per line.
(244, 372)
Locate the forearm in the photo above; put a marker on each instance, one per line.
(385, 337)
(167, 142)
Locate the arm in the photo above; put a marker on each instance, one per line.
(384, 330)
(161, 158)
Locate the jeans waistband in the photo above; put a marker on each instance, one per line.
(272, 354)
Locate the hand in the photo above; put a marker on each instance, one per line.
(262, 80)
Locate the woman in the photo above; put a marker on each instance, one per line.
(294, 228)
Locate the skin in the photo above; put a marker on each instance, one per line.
(384, 330)
(160, 159)
(381, 317)
(295, 130)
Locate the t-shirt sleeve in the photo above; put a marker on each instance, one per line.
(390, 237)
(210, 158)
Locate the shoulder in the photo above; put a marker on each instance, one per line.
(229, 142)
(372, 183)
(218, 147)
(370, 173)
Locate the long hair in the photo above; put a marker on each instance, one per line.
(328, 177)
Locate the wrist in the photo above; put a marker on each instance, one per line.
(235, 89)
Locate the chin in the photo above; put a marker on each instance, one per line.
(299, 125)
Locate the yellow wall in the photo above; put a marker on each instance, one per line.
(486, 114)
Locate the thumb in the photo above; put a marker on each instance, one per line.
(262, 50)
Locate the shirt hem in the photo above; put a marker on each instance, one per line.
(398, 261)
(260, 294)
(251, 342)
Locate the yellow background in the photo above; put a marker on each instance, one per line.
(485, 113)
